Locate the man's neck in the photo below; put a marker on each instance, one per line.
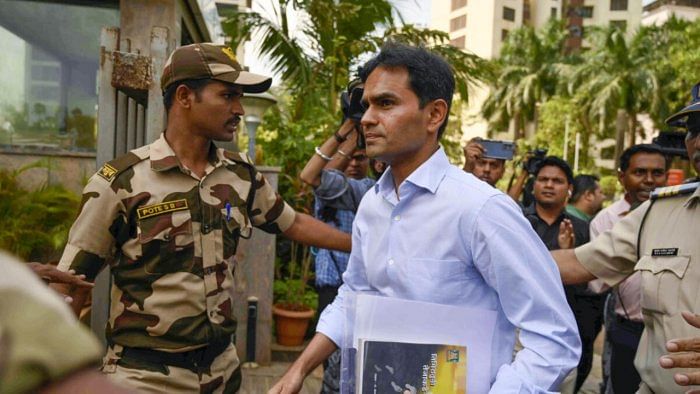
(549, 214)
(402, 169)
(191, 150)
(630, 199)
(583, 207)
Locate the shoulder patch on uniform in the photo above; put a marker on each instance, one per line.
(677, 190)
(111, 169)
(107, 172)
(163, 207)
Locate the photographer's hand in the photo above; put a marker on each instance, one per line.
(311, 174)
(472, 152)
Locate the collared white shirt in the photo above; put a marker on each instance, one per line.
(450, 238)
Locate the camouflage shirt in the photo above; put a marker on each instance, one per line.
(170, 238)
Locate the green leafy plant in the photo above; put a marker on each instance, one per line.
(34, 224)
(291, 289)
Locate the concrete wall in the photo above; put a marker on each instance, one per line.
(71, 170)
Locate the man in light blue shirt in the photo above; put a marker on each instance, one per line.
(428, 231)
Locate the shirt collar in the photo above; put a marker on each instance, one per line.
(163, 157)
(532, 211)
(427, 176)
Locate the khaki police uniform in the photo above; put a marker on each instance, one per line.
(660, 240)
(40, 339)
(169, 238)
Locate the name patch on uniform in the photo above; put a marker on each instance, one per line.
(107, 172)
(157, 209)
(664, 252)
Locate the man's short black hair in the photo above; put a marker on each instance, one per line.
(584, 183)
(430, 76)
(194, 84)
(556, 162)
(640, 148)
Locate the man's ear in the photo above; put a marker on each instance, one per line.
(184, 96)
(437, 113)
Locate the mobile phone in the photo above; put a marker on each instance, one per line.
(498, 149)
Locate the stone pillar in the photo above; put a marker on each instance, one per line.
(254, 277)
(139, 17)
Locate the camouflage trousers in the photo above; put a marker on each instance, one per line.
(222, 376)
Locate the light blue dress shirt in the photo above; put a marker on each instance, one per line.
(450, 238)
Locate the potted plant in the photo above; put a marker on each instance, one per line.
(294, 299)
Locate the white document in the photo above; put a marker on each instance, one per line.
(380, 318)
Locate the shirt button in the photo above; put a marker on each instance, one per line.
(166, 237)
(391, 261)
(397, 218)
(206, 228)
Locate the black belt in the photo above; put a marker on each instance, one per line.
(195, 360)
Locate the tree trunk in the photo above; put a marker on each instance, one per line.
(633, 129)
(620, 128)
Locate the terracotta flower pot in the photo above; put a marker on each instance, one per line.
(291, 325)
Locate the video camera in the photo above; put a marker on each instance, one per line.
(351, 101)
(352, 108)
(536, 157)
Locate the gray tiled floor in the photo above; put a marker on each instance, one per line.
(259, 380)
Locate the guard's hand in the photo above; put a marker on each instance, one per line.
(291, 383)
(473, 152)
(51, 274)
(685, 353)
(566, 237)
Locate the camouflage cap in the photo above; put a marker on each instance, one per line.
(206, 60)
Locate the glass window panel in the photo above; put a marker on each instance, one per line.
(509, 14)
(48, 73)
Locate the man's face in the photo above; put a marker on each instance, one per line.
(646, 172)
(597, 198)
(489, 170)
(216, 111)
(692, 145)
(358, 166)
(551, 187)
(395, 126)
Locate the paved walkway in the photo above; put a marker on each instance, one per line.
(259, 380)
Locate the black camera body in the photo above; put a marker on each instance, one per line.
(536, 157)
(351, 104)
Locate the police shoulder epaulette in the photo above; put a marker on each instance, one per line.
(238, 157)
(111, 169)
(676, 190)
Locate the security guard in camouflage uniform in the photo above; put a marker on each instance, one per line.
(167, 218)
(660, 240)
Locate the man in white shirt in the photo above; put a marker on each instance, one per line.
(428, 231)
(642, 169)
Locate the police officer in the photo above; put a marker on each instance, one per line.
(167, 218)
(659, 239)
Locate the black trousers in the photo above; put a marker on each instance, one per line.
(588, 311)
(624, 337)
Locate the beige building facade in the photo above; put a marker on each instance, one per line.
(481, 26)
(659, 11)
